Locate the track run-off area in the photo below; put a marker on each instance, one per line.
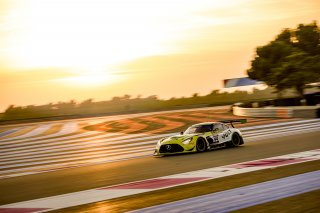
(41, 160)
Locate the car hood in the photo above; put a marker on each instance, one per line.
(179, 137)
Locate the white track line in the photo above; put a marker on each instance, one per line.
(86, 147)
(55, 160)
(83, 137)
(8, 132)
(279, 124)
(64, 138)
(121, 190)
(102, 138)
(71, 138)
(88, 142)
(44, 168)
(279, 134)
(72, 127)
(279, 129)
(97, 146)
(72, 154)
(37, 131)
(67, 128)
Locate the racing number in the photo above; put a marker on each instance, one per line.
(214, 138)
(226, 134)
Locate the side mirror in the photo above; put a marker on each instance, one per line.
(181, 133)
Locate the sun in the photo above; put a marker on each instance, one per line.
(91, 77)
(89, 80)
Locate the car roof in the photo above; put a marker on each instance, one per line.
(206, 123)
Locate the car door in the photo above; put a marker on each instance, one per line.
(224, 134)
(213, 137)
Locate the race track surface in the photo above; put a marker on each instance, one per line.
(82, 178)
(53, 158)
(36, 148)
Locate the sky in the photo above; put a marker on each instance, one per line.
(61, 50)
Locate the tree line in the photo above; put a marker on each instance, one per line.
(128, 104)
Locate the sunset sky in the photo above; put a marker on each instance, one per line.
(58, 50)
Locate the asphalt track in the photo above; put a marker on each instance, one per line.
(53, 146)
(82, 178)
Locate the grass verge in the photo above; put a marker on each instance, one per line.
(306, 202)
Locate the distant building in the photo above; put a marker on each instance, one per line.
(238, 82)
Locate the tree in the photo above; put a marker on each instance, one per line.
(292, 60)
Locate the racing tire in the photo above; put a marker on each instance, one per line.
(201, 145)
(236, 140)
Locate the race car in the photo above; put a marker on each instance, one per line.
(202, 137)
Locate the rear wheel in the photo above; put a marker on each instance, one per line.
(236, 140)
(201, 145)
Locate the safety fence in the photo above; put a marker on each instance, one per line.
(278, 112)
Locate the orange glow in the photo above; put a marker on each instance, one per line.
(87, 33)
(57, 50)
(90, 79)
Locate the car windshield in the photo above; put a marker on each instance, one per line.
(199, 129)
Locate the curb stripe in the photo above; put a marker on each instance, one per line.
(242, 197)
(156, 183)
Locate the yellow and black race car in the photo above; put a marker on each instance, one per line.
(201, 137)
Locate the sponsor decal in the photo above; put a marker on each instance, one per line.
(215, 138)
(226, 134)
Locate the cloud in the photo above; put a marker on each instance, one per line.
(31, 76)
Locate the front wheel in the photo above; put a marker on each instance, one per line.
(201, 145)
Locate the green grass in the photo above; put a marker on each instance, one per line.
(306, 202)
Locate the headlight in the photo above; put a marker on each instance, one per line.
(187, 141)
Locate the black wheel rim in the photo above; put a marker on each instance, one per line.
(236, 140)
(201, 146)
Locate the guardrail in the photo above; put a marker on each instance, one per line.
(278, 112)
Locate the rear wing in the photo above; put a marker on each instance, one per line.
(242, 121)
